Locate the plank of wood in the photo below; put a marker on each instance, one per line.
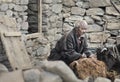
(16, 52)
(15, 76)
(40, 16)
(12, 34)
(15, 49)
(33, 35)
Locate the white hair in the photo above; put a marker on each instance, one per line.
(81, 24)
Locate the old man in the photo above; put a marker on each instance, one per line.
(72, 46)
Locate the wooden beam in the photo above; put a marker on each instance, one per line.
(40, 16)
(33, 35)
(12, 34)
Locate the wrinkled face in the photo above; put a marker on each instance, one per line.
(81, 31)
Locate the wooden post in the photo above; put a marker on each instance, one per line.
(40, 16)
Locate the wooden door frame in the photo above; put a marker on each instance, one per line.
(40, 16)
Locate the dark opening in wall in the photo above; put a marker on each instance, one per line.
(33, 16)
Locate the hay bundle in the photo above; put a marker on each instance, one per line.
(89, 67)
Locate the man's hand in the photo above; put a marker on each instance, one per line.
(83, 55)
(92, 56)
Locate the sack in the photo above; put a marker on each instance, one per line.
(54, 55)
(89, 67)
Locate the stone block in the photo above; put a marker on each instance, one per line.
(73, 19)
(59, 68)
(24, 18)
(57, 1)
(4, 7)
(24, 26)
(16, 1)
(29, 43)
(53, 18)
(47, 1)
(95, 11)
(5, 1)
(43, 51)
(32, 75)
(111, 11)
(113, 26)
(57, 8)
(79, 4)
(96, 18)
(9, 13)
(66, 9)
(52, 31)
(94, 45)
(67, 27)
(69, 3)
(99, 3)
(11, 6)
(89, 20)
(2, 13)
(49, 77)
(77, 11)
(98, 37)
(25, 2)
(101, 79)
(86, 5)
(18, 8)
(15, 76)
(45, 7)
(94, 28)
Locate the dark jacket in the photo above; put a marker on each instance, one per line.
(69, 48)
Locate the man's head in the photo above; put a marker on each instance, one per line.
(80, 27)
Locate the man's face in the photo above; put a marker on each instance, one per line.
(81, 31)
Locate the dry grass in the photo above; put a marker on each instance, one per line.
(89, 67)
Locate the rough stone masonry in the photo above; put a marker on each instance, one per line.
(58, 17)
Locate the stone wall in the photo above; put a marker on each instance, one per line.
(103, 19)
(17, 10)
(5, 21)
(58, 17)
(37, 46)
(52, 20)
